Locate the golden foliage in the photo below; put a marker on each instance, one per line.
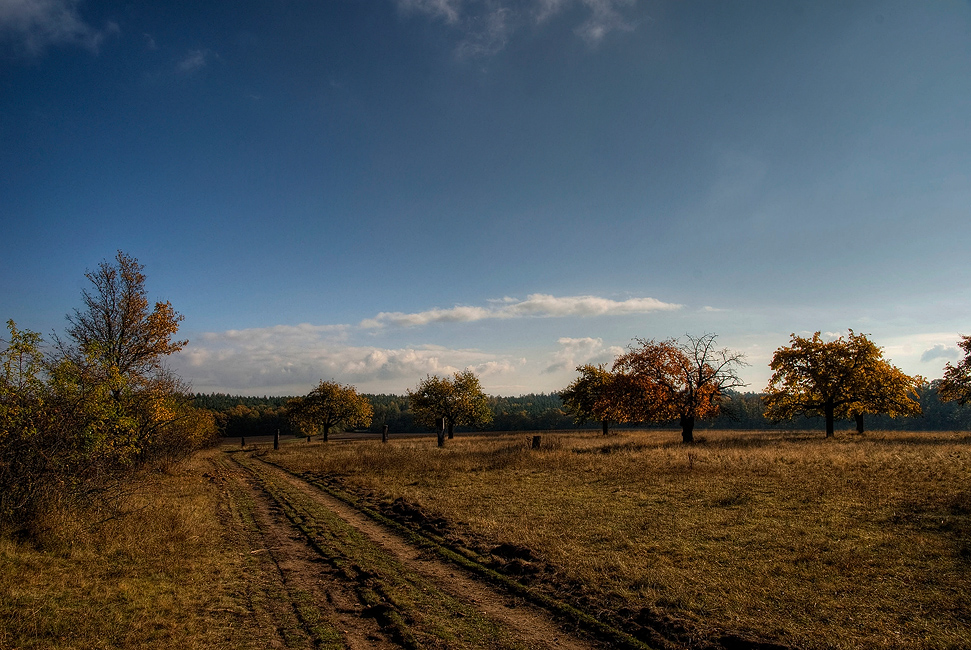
(841, 378)
(459, 401)
(956, 384)
(328, 405)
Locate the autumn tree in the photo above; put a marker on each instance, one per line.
(74, 417)
(885, 389)
(116, 332)
(684, 379)
(589, 397)
(329, 405)
(459, 401)
(842, 378)
(956, 385)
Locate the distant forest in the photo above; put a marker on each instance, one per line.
(255, 416)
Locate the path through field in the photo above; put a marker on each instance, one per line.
(328, 576)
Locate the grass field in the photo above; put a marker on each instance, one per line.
(156, 571)
(857, 541)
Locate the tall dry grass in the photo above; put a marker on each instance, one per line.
(858, 541)
(154, 572)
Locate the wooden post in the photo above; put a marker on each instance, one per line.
(242, 441)
(276, 439)
(536, 441)
(441, 434)
(384, 433)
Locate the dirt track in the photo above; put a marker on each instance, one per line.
(327, 576)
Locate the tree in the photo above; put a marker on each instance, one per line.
(885, 389)
(956, 384)
(841, 378)
(115, 330)
(684, 379)
(459, 401)
(115, 344)
(588, 397)
(328, 405)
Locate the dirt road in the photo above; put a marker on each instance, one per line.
(325, 575)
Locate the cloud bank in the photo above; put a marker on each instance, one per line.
(940, 351)
(282, 360)
(288, 359)
(537, 305)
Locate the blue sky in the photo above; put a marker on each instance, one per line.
(372, 191)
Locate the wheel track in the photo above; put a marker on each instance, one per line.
(512, 606)
(289, 589)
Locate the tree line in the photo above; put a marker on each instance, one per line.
(683, 381)
(83, 409)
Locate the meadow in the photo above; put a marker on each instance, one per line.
(781, 537)
(746, 539)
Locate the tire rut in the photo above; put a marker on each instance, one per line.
(410, 580)
(292, 591)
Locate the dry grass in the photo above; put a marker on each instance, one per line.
(159, 574)
(861, 541)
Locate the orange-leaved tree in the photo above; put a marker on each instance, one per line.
(115, 331)
(683, 379)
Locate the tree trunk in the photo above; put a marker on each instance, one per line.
(829, 410)
(451, 430)
(687, 429)
(326, 432)
(605, 426)
(859, 422)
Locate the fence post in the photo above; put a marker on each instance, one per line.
(242, 441)
(384, 433)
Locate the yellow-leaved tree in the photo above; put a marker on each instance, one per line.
(844, 378)
(590, 397)
(956, 384)
(458, 401)
(329, 405)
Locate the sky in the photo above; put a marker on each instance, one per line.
(373, 191)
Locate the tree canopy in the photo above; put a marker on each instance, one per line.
(677, 378)
(956, 385)
(842, 378)
(459, 401)
(98, 404)
(115, 330)
(589, 397)
(328, 405)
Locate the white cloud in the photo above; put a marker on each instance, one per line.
(940, 351)
(574, 352)
(448, 10)
(487, 34)
(194, 60)
(291, 359)
(537, 305)
(604, 18)
(31, 26)
(486, 27)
